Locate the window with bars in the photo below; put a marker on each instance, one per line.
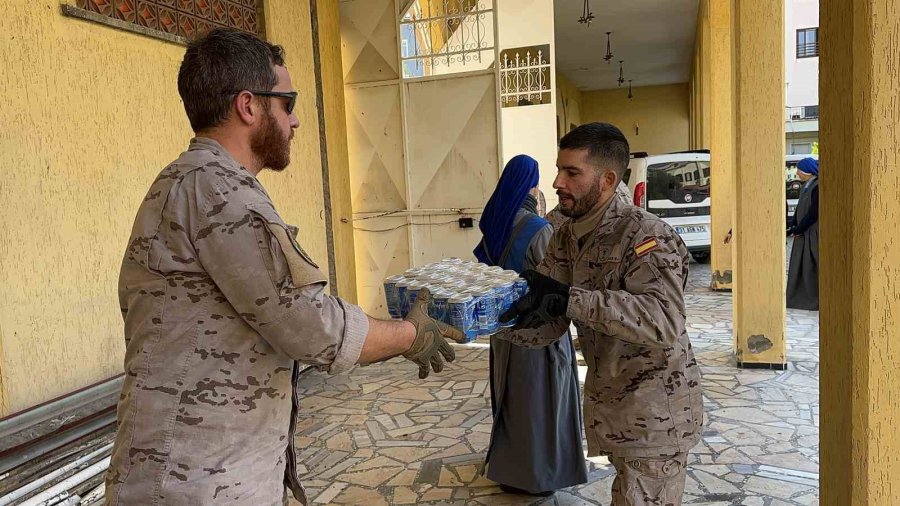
(807, 43)
(441, 37)
(178, 19)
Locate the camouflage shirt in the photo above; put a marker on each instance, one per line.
(220, 305)
(642, 393)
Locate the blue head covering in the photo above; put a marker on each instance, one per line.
(809, 165)
(519, 176)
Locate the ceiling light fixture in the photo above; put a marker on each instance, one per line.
(609, 55)
(621, 79)
(586, 15)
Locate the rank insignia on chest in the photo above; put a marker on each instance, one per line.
(645, 247)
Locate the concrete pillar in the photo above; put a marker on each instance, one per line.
(329, 75)
(721, 146)
(705, 54)
(759, 302)
(860, 257)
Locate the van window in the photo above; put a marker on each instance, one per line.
(678, 189)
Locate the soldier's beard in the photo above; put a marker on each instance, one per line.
(271, 146)
(582, 205)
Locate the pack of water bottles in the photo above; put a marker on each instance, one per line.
(467, 295)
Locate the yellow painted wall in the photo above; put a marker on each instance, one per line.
(337, 151)
(660, 114)
(721, 132)
(90, 115)
(530, 130)
(860, 262)
(568, 104)
(759, 279)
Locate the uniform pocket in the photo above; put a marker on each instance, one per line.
(605, 266)
(656, 468)
(287, 257)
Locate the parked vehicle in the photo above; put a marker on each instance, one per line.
(675, 187)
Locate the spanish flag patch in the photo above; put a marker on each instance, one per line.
(645, 247)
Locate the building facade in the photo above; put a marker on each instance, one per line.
(801, 69)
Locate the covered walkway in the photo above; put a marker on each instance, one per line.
(381, 436)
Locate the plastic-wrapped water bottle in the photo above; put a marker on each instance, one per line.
(521, 287)
(412, 291)
(440, 302)
(507, 299)
(486, 308)
(403, 295)
(462, 315)
(392, 296)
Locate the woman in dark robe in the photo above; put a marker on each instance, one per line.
(535, 443)
(803, 273)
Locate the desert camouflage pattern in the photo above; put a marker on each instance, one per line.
(221, 305)
(642, 393)
(649, 482)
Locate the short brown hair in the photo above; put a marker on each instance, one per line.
(605, 144)
(219, 65)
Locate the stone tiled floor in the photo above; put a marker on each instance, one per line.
(380, 436)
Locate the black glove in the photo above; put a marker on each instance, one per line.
(546, 301)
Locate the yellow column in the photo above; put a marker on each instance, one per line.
(860, 258)
(703, 33)
(722, 158)
(759, 304)
(333, 135)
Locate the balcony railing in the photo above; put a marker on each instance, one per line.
(808, 50)
(802, 113)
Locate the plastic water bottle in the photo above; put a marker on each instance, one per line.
(486, 307)
(392, 296)
(462, 315)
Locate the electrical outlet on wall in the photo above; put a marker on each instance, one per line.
(466, 223)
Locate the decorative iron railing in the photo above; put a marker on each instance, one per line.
(525, 76)
(444, 36)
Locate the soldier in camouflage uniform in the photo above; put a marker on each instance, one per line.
(221, 303)
(619, 274)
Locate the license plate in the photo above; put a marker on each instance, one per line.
(690, 229)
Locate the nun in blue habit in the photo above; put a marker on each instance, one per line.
(803, 272)
(535, 443)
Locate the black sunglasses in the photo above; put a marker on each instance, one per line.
(291, 97)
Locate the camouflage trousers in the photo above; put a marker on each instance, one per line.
(643, 481)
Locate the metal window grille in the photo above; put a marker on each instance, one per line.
(446, 36)
(808, 43)
(525, 76)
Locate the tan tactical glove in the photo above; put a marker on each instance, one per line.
(430, 343)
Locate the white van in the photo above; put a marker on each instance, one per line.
(793, 185)
(675, 187)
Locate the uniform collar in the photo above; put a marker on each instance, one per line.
(596, 220)
(213, 146)
(205, 143)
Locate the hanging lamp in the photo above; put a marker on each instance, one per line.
(609, 55)
(586, 15)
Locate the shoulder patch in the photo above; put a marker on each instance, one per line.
(646, 247)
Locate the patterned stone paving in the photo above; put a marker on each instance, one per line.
(381, 436)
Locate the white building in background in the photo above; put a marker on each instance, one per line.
(801, 76)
